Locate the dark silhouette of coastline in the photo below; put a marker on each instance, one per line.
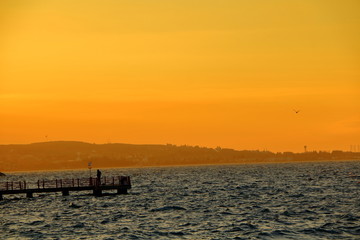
(76, 155)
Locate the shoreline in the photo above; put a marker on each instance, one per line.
(183, 165)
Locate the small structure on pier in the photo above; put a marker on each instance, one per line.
(120, 183)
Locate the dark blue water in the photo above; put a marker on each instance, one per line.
(268, 201)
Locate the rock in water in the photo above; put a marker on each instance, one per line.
(2, 174)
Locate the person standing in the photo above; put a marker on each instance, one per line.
(98, 175)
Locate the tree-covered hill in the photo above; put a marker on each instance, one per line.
(73, 155)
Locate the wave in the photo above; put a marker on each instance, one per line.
(168, 208)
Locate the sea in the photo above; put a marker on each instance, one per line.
(313, 200)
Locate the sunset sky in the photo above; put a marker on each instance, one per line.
(211, 73)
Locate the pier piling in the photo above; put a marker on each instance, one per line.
(97, 192)
(65, 192)
(122, 191)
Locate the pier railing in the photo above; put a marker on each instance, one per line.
(66, 183)
(14, 185)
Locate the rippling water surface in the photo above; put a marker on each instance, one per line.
(262, 201)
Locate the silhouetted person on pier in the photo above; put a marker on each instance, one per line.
(98, 175)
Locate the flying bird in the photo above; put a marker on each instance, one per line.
(296, 111)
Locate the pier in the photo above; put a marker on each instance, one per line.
(120, 183)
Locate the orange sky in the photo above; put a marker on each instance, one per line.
(210, 73)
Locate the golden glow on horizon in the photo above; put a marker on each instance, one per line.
(210, 73)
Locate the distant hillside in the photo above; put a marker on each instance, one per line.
(73, 155)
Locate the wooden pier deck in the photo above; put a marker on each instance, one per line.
(65, 186)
